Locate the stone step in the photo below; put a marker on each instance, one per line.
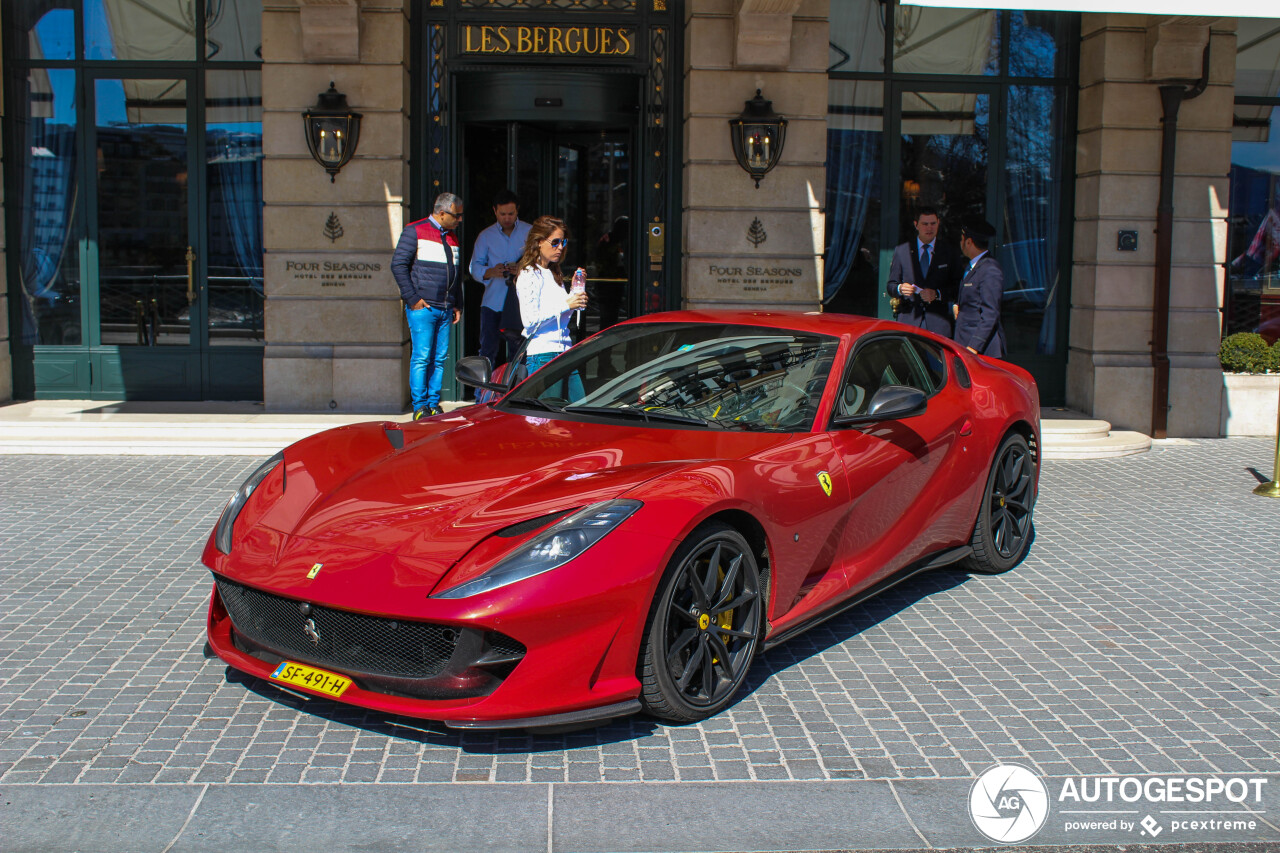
(161, 431)
(129, 447)
(1068, 434)
(155, 438)
(1062, 430)
(83, 427)
(1116, 443)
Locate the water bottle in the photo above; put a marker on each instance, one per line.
(579, 286)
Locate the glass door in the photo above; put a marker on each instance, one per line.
(134, 159)
(532, 170)
(229, 274)
(581, 176)
(593, 197)
(944, 154)
(146, 313)
(952, 156)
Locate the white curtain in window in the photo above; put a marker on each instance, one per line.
(151, 29)
(1257, 75)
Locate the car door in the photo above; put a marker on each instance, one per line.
(899, 471)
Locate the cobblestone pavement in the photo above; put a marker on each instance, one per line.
(1138, 637)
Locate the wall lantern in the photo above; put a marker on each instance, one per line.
(333, 131)
(758, 136)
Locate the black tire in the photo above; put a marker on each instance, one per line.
(1004, 529)
(704, 627)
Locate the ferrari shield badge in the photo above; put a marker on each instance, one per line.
(824, 480)
(315, 570)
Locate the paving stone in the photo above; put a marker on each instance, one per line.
(1058, 663)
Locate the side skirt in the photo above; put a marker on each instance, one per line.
(937, 561)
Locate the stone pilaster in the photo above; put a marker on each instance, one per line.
(336, 337)
(1109, 369)
(732, 48)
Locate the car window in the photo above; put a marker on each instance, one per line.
(688, 374)
(877, 363)
(932, 362)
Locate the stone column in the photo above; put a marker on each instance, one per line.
(1109, 369)
(748, 247)
(336, 337)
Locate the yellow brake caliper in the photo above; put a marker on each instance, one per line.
(725, 621)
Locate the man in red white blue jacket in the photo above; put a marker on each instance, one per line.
(427, 266)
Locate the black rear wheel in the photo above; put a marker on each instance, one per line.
(1004, 528)
(704, 627)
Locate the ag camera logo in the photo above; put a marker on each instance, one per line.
(1008, 803)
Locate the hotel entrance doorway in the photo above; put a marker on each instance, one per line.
(565, 145)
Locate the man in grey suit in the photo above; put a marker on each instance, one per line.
(923, 275)
(978, 304)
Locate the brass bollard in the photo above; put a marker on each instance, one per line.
(1272, 489)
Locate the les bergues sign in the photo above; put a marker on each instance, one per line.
(504, 40)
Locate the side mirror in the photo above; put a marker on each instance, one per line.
(890, 403)
(474, 370)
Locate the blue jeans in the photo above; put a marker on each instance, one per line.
(570, 389)
(490, 336)
(429, 332)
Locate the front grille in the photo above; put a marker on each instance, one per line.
(350, 642)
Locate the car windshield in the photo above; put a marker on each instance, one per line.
(688, 374)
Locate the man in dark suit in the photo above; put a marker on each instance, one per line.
(923, 276)
(978, 305)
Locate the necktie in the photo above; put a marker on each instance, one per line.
(924, 259)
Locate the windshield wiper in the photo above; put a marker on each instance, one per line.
(534, 403)
(745, 426)
(641, 414)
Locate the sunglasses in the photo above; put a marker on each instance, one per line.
(556, 244)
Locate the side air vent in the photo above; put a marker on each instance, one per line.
(531, 525)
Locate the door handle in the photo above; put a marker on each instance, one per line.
(191, 276)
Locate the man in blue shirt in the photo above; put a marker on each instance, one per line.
(497, 250)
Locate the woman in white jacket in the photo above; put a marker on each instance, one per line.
(545, 308)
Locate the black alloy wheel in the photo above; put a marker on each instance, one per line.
(1004, 528)
(703, 628)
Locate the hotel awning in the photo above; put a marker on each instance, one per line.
(1195, 8)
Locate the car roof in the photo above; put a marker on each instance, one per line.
(837, 325)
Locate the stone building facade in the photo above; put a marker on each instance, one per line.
(451, 98)
(1118, 163)
(335, 340)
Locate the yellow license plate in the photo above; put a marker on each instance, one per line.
(300, 675)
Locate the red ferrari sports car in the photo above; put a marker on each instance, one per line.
(628, 527)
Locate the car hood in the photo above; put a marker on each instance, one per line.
(459, 478)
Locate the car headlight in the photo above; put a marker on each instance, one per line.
(226, 523)
(565, 540)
